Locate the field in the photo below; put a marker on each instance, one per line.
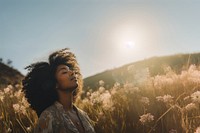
(167, 103)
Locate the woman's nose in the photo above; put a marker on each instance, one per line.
(71, 72)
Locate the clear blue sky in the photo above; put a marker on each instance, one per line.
(97, 31)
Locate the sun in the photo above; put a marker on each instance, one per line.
(129, 44)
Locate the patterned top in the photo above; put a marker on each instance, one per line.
(55, 120)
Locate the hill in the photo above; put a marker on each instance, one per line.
(155, 66)
(9, 75)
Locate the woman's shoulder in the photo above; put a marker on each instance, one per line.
(48, 112)
(45, 121)
(80, 111)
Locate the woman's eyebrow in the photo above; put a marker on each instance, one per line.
(62, 68)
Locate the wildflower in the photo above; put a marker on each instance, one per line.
(190, 106)
(160, 81)
(130, 88)
(101, 89)
(23, 109)
(113, 91)
(18, 93)
(197, 130)
(19, 108)
(196, 97)
(16, 108)
(7, 90)
(116, 85)
(194, 74)
(166, 98)
(145, 100)
(1, 97)
(25, 102)
(101, 83)
(29, 129)
(94, 98)
(88, 94)
(146, 118)
(85, 100)
(106, 99)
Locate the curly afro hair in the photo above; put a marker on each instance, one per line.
(40, 83)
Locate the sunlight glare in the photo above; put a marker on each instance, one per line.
(129, 44)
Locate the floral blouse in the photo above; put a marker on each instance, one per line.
(55, 120)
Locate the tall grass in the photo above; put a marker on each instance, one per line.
(15, 113)
(162, 104)
(167, 103)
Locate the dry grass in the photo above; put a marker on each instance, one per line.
(166, 103)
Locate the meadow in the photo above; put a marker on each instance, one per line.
(167, 103)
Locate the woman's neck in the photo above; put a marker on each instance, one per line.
(66, 99)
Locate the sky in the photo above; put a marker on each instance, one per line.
(103, 34)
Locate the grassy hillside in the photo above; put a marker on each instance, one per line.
(154, 64)
(9, 75)
(149, 99)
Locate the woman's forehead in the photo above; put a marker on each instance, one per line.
(62, 67)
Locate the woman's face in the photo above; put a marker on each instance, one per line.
(66, 79)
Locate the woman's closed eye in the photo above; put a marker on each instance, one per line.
(64, 72)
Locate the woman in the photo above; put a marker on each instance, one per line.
(51, 88)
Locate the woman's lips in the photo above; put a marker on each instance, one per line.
(73, 78)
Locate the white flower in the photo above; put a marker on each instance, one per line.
(29, 129)
(19, 108)
(190, 106)
(88, 94)
(18, 93)
(146, 118)
(160, 81)
(113, 91)
(166, 98)
(116, 85)
(23, 109)
(7, 90)
(144, 100)
(101, 89)
(106, 99)
(94, 98)
(16, 108)
(25, 102)
(197, 130)
(85, 100)
(1, 96)
(101, 83)
(196, 97)
(130, 88)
